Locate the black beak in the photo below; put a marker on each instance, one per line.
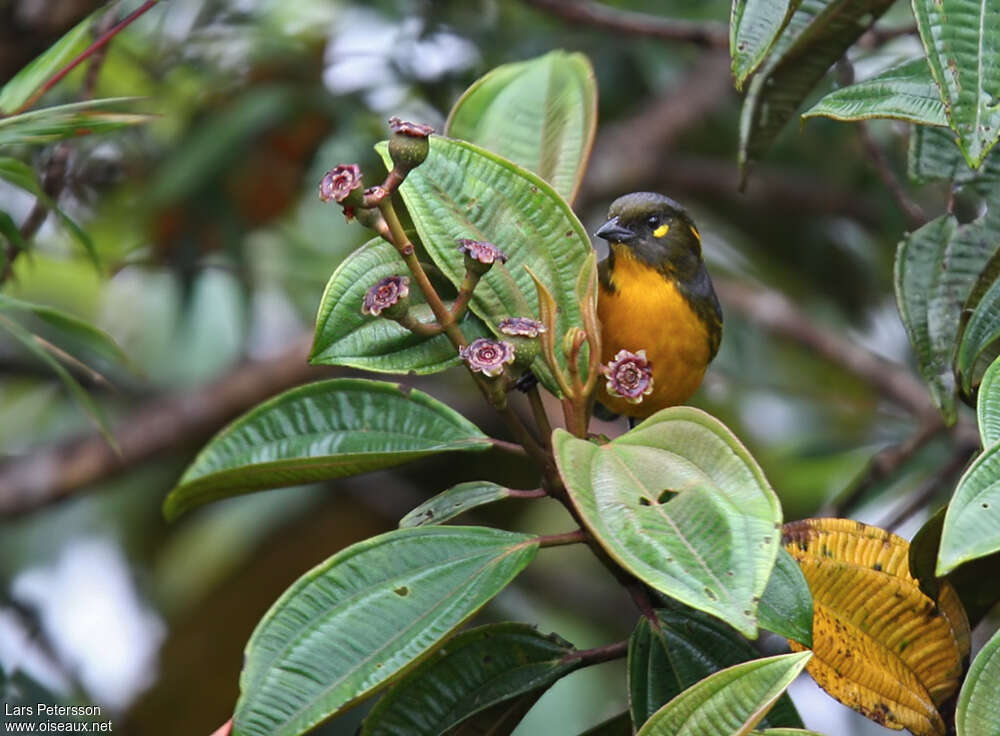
(615, 233)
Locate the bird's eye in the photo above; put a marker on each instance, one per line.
(653, 222)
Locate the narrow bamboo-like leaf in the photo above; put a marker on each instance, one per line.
(23, 84)
(786, 607)
(681, 504)
(972, 523)
(988, 405)
(456, 500)
(474, 671)
(682, 648)
(730, 702)
(363, 618)
(882, 647)
(964, 54)
(981, 331)
(462, 191)
(905, 92)
(753, 28)
(76, 119)
(817, 35)
(328, 429)
(978, 710)
(345, 336)
(541, 114)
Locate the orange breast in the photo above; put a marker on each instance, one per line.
(647, 312)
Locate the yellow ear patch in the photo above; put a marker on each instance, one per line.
(694, 231)
(661, 231)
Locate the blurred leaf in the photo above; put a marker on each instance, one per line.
(323, 430)
(620, 725)
(963, 49)
(685, 647)
(728, 702)
(474, 671)
(972, 523)
(786, 607)
(817, 35)
(981, 331)
(365, 617)
(22, 85)
(10, 231)
(462, 191)
(882, 647)
(905, 92)
(978, 710)
(649, 495)
(345, 336)
(541, 114)
(988, 405)
(68, 121)
(456, 500)
(754, 26)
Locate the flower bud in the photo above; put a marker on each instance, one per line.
(629, 376)
(480, 255)
(343, 183)
(487, 356)
(408, 146)
(390, 298)
(523, 334)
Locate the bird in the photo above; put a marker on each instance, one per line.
(655, 295)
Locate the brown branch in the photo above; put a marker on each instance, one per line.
(560, 540)
(597, 655)
(914, 214)
(710, 35)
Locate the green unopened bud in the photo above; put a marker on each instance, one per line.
(408, 146)
(573, 340)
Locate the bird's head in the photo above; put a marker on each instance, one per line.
(654, 229)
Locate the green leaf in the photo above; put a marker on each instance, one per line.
(541, 114)
(345, 336)
(681, 649)
(978, 709)
(22, 85)
(23, 176)
(963, 49)
(620, 725)
(905, 92)
(456, 500)
(462, 191)
(981, 331)
(787, 606)
(10, 231)
(753, 28)
(817, 35)
(68, 121)
(680, 504)
(365, 617)
(329, 429)
(502, 718)
(475, 670)
(729, 701)
(934, 155)
(988, 406)
(972, 523)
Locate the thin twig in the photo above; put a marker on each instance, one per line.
(914, 214)
(534, 493)
(559, 540)
(923, 495)
(606, 653)
(540, 415)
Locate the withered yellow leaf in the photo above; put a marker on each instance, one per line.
(880, 645)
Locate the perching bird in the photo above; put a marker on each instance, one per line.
(656, 296)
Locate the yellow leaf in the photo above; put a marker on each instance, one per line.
(880, 645)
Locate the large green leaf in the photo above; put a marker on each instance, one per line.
(680, 504)
(363, 618)
(541, 114)
(462, 191)
(817, 35)
(972, 523)
(981, 331)
(328, 429)
(787, 606)
(988, 405)
(682, 648)
(22, 85)
(456, 500)
(345, 336)
(964, 53)
(67, 121)
(978, 710)
(754, 26)
(729, 702)
(905, 92)
(476, 670)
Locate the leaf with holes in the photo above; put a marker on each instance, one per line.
(22, 85)
(541, 114)
(475, 671)
(786, 607)
(328, 429)
(881, 646)
(978, 709)
(972, 523)
(456, 500)
(754, 26)
(365, 617)
(682, 648)
(462, 191)
(345, 336)
(905, 92)
(729, 702)
(680, 504)
(963, 49)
